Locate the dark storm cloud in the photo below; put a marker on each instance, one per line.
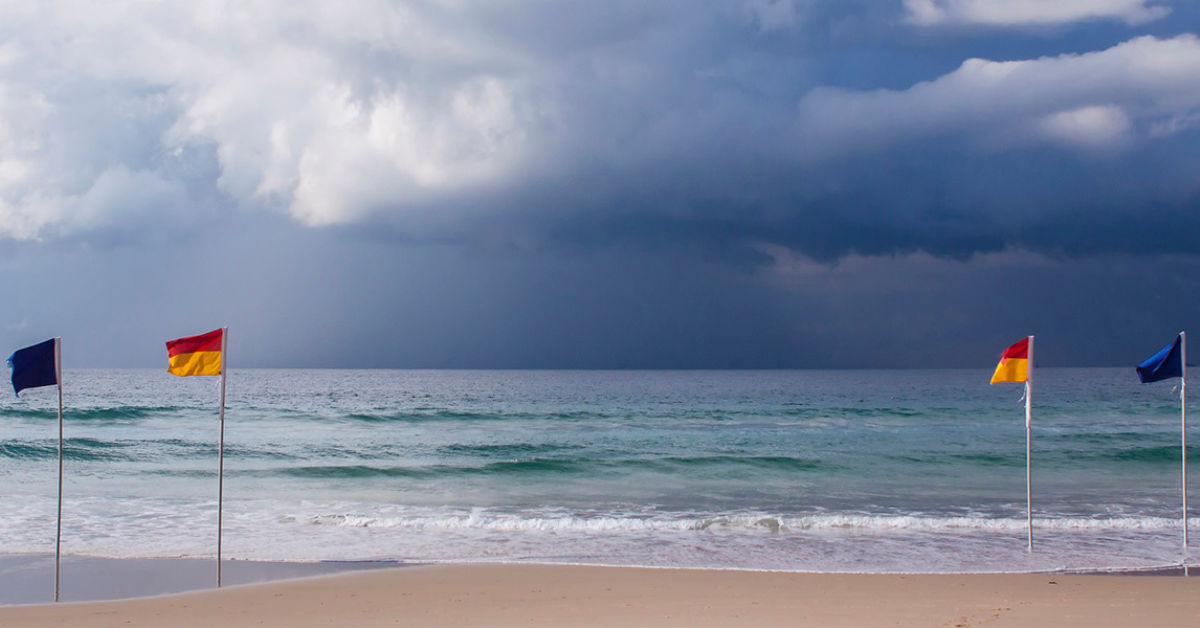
(1078, 152)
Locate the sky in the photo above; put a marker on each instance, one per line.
(617, 184)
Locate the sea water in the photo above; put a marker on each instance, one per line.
(880, 471)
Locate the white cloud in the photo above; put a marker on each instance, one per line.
(1098, 100)
(326, 111)
(1094, 126)
(1030, 12)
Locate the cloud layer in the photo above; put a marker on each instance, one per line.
(552, 124)
(1141, 89)
(738, 183)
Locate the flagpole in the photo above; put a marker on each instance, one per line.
(1183, 430)
(58, 531)
(221, 457)
(1029, 446)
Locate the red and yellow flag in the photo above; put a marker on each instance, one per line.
(1014, 363)
(196, 355)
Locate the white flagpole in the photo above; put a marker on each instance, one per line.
(1029, 445)
(221, 456)
(58, 531)
(1183, 429)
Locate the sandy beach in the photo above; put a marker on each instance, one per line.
(544, 595)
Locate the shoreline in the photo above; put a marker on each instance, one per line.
(27, 579)
(504, 595)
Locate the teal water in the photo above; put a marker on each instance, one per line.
(791, 470)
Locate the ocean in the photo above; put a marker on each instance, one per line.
(827, 471)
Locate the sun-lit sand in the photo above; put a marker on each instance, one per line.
(542, 595)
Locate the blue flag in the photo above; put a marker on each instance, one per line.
(34, 366)
(1165, 364)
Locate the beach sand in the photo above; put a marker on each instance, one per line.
(547, 595)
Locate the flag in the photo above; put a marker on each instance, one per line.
(195, 355)
(205, 355)
(34, 366)
(1165, 364)
(1014, 363)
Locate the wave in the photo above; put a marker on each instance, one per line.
(115, 413)
(1164, 454)
(560, 465)
(1157, 455)
(29, 413)
(121, 412)
(433, 415)
(421, 416)
(859, 411)
(507, 450)
(786, 463)
(988, 460)
(91, 449)
(747, 523)
(543, 458)
(87, 449)
(1059, 458)
(977, 459)
(437, 414)
(363, 471)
